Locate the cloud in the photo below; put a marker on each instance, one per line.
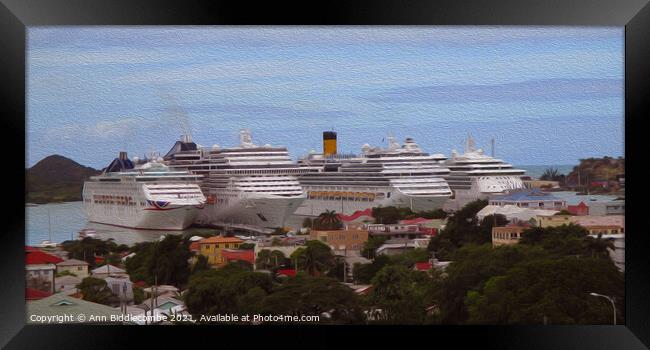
(542, 90)
(118, 128)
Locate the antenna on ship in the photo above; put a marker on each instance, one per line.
(492, 143)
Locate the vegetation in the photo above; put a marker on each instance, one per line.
(328, 220)
(269, 259)
(56, 179)
(167, 260)
(230, 289)
(390, 215)
(96, 290)
(596, 169)
(552, 174)
(369, 248)
(306, 295)
(315, 258)
(87, 248)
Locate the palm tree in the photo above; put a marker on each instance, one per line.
(328, 220)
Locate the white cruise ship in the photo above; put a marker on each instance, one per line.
(248, 186)
(474, 175)
(149, 196)
(401, 176)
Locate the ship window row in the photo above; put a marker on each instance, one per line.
(112, 199)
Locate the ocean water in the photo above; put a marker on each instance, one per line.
(59, 222)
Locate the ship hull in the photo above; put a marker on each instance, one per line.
(249, 209)
(172, 219)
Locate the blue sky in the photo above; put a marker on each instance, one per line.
(548, 95)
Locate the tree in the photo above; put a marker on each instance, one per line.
(315, 258)
(96, 290)
(390, 215)
(267, 259)
(434, 214)
(553, 289)
(328, 220)
(485, 228)
(369, 248)
(306, 295)
(461, 228)
(87, 248)
(364, 273)
(167, 260)
(399, 293)
(201, 264)
(227, 290)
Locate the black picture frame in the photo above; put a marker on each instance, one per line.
(16, 15)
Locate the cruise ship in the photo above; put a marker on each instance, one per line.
(474, 175)
(249, 186)
(148, 196)
(400, 175)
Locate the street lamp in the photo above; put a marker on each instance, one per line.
(610, 300)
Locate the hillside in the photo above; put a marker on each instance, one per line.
(56, 179)
(592, 170)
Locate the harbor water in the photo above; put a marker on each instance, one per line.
(58, 222)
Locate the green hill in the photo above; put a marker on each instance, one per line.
(56, 179)
(605, 169)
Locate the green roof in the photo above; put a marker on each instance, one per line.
(59, 304)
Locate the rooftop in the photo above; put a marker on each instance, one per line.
(59, 304)
(35, 256)
(72, 262)
(108, 269)
(220, 239)
(527, 195)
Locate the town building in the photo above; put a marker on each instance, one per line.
(60, 304)
(341, 240)
(394, 231)
(122, 287)
(395, 246)
(540, 184)
(40, 269)
(233, 255)
(212, 248)
(108, 270)
(579, 209)
(552, 220)
(78, 268)
(532, 198)
(605, 224)
(613, 207)
(67, 283)
(507, 235)
(513, 213)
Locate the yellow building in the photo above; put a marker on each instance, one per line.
(341, 239)
(212, 248)
(507, 235)
(77, 267)
(552, 220)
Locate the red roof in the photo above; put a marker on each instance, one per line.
(35, 256)
(423, 266)
(239, 254)
(580, 209)
(140, 284)
(287, 272)
(35, 294)
(195, 246)
(99, 260)
(413, 221)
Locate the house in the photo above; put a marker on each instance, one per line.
(552, 221)
(212, 248)
(35, 294)
(76, 267)
(121, 286)
(394, 231)
(396, 246)
(341, 240)
(605, 224)
(508, 235)
(580, 209)
(613, 207)
(108, 270)
(66, 283)
(232, 255)
(63, 308)
(514, 213)
(40, 269)
(533, 199)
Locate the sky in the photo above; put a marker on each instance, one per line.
(547, 95)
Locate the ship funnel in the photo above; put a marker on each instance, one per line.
(329, 143)
(123, 156)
